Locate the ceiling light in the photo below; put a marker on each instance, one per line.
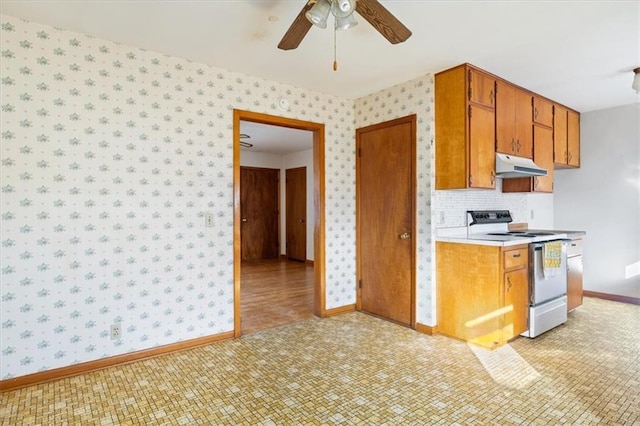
(343, 8)
(346, 23)
(636, 80)
(319, 13)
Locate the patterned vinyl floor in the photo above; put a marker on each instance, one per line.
(354, 369)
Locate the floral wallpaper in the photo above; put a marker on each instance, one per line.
(413, 97)
(111, 155)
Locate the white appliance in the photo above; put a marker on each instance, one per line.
(547, 294)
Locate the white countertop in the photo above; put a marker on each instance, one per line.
(459, 235)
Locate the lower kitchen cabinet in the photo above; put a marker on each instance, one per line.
(482, 292)
(574, 274)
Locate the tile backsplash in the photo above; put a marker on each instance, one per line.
(451, 206)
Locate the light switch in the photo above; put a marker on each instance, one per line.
(208, 220)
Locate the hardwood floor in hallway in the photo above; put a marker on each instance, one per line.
(275, 292)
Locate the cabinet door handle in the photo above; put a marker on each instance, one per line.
(491, 96)
(509, 282)
(535, 113)
(569, 157)
(535, 182)
(516, 255)
(518, 145)
(513, 144)
(493, 178)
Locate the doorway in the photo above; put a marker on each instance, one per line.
(386, 220)
(317, 129)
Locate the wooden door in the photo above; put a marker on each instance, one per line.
(516, 297)
(573, 139)
(385, 219)
(524, 133)
(543, 157)
(296, 201)
(259, 213)
(482, 158)
(559, 135)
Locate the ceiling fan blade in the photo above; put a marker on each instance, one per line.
(383, 21)
(298, 29)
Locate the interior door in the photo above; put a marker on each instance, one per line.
(385, 179)
(296, 202)
(259, 213)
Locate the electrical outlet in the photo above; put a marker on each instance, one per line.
(116, 331)
(208, 220)
(441, 218)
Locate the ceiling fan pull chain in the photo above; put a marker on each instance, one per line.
(335, 58)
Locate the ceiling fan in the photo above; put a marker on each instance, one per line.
(371, 10)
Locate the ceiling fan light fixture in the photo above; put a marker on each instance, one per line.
(319, 13)
(346, 22)
(636, 80)
(343, 8)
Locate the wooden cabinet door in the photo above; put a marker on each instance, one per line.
(482, 161)
(543, 157)
(574, 282)
(516, 301)
(559, 135)
(573, 139)
(542, 112)
(523, 122)
(514, 135)
(505, 118)
(481, 88)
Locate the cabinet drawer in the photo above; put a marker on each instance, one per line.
(514, 259)
(575, 248)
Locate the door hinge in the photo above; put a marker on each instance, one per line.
(359, 283)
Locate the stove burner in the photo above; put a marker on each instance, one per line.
(521, 234)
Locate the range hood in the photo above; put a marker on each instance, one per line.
(510, 166)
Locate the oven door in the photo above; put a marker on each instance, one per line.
(552, 286)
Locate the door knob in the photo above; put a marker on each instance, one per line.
(244, 219)
(404, 236)
(301, 220)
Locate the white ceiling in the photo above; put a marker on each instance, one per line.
(275, 139)
(579, 53)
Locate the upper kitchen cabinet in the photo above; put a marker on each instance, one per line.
(514, 134)
(542, 111)
(543, 157)
(573, 139)
(482, 88)
(465, 128)
(566, 137)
